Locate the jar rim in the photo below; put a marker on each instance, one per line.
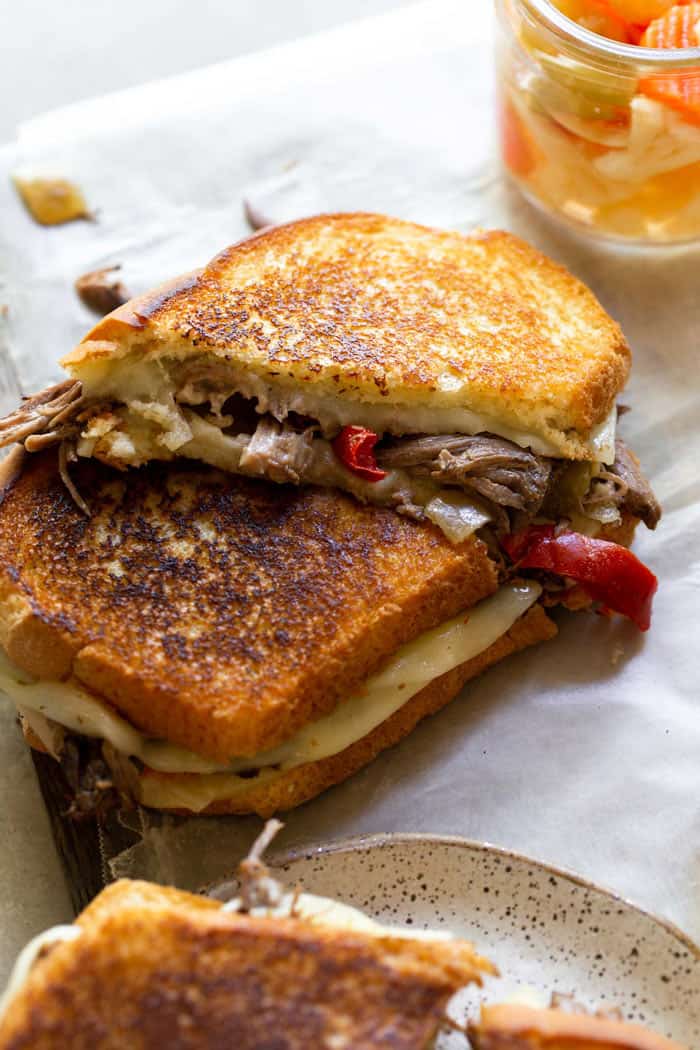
(573, 33)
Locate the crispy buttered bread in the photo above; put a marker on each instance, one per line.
(155, 968)
(462, 380)
(218, 613)
(381, 316)
(266, 795)
(232, 646)
(515, 1027)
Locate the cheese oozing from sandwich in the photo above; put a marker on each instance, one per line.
(149, 385)
(414, 666)
(325, 911)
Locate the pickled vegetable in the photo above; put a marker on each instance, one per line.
(639, 12)
(593, 141)
(679, 28)
(567, 86)
(598, 16)
(518, 148)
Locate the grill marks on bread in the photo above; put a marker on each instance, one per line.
(219, 613)
(369, 308)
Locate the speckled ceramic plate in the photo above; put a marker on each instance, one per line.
(545, 929)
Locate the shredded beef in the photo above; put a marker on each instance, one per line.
(278, 452)
(638, 498)
(48, 413)
(498, 470)
(88, 777)
(514, 483)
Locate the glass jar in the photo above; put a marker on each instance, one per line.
(594, 131)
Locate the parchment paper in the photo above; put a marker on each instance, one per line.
(583, 752)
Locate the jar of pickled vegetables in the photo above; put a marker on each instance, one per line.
(600, 112)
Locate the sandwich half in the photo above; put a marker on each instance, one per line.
(146, 967)
(209, 643)
(457, 378)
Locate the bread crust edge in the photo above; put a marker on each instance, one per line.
(305, 782)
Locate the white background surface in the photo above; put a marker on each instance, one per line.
(52, 53)
(583, 753)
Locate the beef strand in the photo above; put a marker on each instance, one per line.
(88, 777)
(516, 483)
(638, 497)
(497, 470)
(278, 452)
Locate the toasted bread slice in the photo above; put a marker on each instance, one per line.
(216, 613)
(268, 794)
(363, 319)
(514, 1027)
(155, 967)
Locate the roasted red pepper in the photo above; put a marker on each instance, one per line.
(608, 573)
(353, 447)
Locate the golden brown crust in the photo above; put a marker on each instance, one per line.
(305, 782)
(374, 309)
(514, 1027)
(156, 968)
(219, 613)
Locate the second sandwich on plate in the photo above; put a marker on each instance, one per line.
(146, 966)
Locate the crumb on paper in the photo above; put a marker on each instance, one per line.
(255, 216)
(617, 654)
(101, 291)
(52, 201)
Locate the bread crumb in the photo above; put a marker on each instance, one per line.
(52, 201)
(617, 654)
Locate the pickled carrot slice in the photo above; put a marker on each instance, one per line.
(680, 90)
(639, 12)
(519, 153)
(597, 16)
(622, 20)
(677, 28)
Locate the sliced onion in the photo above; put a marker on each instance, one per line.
(606, 513)
(457, 515)
(604, 133)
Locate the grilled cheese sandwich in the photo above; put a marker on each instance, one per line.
(145, 966)
(228, 643)
(472, 371)
(225, 649)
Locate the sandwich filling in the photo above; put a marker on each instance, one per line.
(56, 710)
(453, 466)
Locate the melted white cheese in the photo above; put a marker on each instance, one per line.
(602, 439)
(28, 956)
(325, 911)
(133, 379)
(414, 666)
